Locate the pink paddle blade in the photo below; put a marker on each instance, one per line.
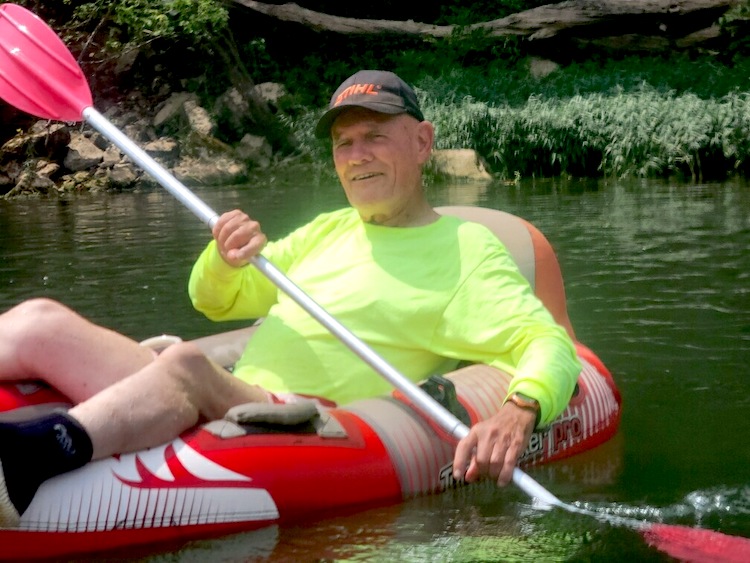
(38, 74)
(695, 545)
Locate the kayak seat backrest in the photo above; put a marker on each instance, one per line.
(531, 251)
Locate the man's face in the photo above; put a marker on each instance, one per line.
(378, 159)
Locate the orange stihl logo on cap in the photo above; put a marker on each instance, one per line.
(366, 89)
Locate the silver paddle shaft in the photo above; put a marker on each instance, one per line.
(154, 169)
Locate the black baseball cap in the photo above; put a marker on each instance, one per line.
(377, 90)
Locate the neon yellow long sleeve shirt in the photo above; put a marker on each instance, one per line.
(423, 298)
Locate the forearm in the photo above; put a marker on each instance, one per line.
(222, 292)
(547, 371)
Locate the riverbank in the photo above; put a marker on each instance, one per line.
(644, 134)
(239, 98)
(629, 118)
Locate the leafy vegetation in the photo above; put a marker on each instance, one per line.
(735, 24)
(634, 117)
(141, 21)
(642, 133)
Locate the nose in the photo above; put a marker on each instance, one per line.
(359, 152)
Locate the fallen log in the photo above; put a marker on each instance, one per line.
(659, 22)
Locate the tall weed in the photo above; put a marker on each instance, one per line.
(643, 133)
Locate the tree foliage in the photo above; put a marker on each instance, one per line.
(184, 22)
(736, 24)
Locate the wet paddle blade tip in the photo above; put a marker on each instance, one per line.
(694, 545)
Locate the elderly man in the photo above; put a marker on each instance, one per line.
(424, 291)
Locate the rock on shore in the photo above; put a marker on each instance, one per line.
(180, 135)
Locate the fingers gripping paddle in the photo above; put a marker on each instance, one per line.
(40, 76)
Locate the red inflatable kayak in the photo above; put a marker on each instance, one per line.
(228, 476)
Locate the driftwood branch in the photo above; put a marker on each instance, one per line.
(598, 17)
(318, 21)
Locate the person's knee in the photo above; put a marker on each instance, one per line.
(184, 360)
(190, 374)
(41, 315)
(41, 306)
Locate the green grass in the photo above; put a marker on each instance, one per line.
(643, 133)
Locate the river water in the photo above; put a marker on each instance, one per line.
(658, 283)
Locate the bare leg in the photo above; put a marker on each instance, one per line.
(126, 399)
(161, 400)
(43, 339)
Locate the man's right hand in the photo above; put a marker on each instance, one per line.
(238, 238)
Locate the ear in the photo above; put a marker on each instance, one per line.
(424, 137)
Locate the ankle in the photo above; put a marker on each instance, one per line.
(35, 450)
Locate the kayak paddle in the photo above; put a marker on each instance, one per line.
(39, 75)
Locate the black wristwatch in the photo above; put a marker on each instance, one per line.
(526, 402)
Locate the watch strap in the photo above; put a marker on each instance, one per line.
(526, 402)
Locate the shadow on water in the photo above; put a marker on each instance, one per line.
(658, 282)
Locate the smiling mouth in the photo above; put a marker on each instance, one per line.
(359, 177)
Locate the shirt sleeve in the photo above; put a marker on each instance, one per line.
(496, 319)
(223, 292)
